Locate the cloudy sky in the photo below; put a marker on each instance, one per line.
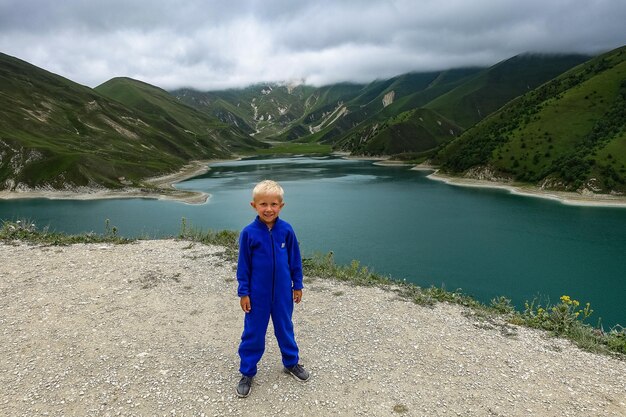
(215, 44)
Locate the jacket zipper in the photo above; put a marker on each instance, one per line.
(273, 263)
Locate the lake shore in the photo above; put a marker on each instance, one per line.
(349, 157)
(526, 190)
(160, 188)
(152, 328)
(569, 198)
(376, 160)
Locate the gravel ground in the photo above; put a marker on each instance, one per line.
(152, 328)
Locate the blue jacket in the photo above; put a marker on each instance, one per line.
(269, 261)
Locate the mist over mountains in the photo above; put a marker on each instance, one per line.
(370, 118)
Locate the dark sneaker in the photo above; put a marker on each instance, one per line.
(298, 373)
(244, 388)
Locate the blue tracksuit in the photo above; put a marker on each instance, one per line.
(269, 268)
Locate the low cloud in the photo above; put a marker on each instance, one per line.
(214, 45)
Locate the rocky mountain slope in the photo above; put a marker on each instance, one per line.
(57, 134)
(410, 113)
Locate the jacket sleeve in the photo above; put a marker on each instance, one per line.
(295, 261)
(244, 265)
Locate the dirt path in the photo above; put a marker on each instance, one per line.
(152, 328)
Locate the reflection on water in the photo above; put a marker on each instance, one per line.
(280, 169)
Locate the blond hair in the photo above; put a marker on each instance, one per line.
(268, 187)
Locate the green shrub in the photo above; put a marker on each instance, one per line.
(225, 238)
(502, 305)
(567, 319)
(27, 231)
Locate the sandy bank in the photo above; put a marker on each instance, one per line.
(152, 328)
(377, 160)
(350, 157)
(570, 198)
(161, 188)
(390, 163)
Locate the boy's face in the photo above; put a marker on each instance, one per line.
(267, 207)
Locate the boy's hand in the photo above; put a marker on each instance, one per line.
(297, 296)
(245, 303)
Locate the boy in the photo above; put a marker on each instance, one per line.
(269, 276)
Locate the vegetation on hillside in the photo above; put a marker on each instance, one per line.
(411, 114)
(567, 134)
(412, 131)
(57, 134)
(262, 110)
(492, 88)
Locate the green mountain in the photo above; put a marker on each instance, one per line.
(411, 115)
(453, 101)
(274, 111)
(492, 88)
(339, 118)
(172, 116)
(397, 122)
(410, 133)
(57, 134)
(283, 112)
(568, 134)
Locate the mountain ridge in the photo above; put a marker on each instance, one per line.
(61, 135)
(568, 134)
(363, 118)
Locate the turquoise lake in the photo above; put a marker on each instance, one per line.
(397, 222)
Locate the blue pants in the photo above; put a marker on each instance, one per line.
(255, 324)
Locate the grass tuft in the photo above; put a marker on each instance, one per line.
(226, 238)
(566, 319)
(27, 231)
